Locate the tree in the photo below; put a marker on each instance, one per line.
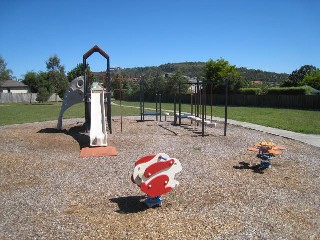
(215, 73)
(77, 72)
(313, 80)
(43, 94)
(56, 76)
(5, 74)
(57, 82)
(36, 81)
(53, 64)
(172, 83)
(32, 80)
(153, 85)
(295, 79)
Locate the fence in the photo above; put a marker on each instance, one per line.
(24, 97)
(272, 101)
(311, 102)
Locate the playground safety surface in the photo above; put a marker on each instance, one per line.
(47, 191)
(98, 151)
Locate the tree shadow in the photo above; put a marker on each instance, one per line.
(78, 133)
(130, 204)
(255, 168)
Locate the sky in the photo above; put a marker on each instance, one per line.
(270, 35)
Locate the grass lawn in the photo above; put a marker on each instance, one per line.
(293, 120)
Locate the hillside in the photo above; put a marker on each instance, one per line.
(195, 69)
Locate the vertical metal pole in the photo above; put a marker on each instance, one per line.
(226, 107)
(86, 100)
(191, 103)
(120, 104)
(175, 109)
(202, 102)
(211, 103)
(160, 105)
(108, 88)
(141, 99)
(198, 98)
(157, 97)
(179, 103)
(205, 100)
(191, 112)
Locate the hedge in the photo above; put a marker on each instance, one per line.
(290, 91)
(250, 91)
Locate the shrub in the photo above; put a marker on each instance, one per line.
(289, 91)
(250, 91)
(43, 95)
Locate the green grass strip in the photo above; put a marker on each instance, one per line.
(302, 121)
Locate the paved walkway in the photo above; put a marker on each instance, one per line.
(311, 139)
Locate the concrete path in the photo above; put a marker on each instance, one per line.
(311, 139)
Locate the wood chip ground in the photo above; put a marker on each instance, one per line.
(48, 192)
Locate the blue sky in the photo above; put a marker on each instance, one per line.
(271, 35)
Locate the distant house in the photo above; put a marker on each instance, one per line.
(11, 86)
(257, 82)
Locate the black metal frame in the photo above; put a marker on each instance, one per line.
(87, 90)
(158, 101)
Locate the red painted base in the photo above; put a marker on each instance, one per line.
(98, 151)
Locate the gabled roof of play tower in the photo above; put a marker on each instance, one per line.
(94, 49)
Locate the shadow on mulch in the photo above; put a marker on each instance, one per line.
(131, 204)
(78, 133)
(255, 168)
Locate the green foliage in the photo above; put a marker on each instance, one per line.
(167, 85)
(54, 80)
(289, 91)
(190, 69)
(57, 82)
(269, 78)
(53, 64)
(31, 79)
(296, 78)
(172, 84)
(153, 85)
(313, 80)
(5, 74)
(76, 72)
(196, 70)
(43, 94)
(250, 91)
(216, 72)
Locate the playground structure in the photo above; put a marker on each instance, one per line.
(97, 101)
(197, 99)
(98, 133)
(74, 95)
(154, 174)
(143, 113)
(266, 151)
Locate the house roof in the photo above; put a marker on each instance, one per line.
(12, 83)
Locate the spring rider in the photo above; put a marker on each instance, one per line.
(154, 174)
(266, 151)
